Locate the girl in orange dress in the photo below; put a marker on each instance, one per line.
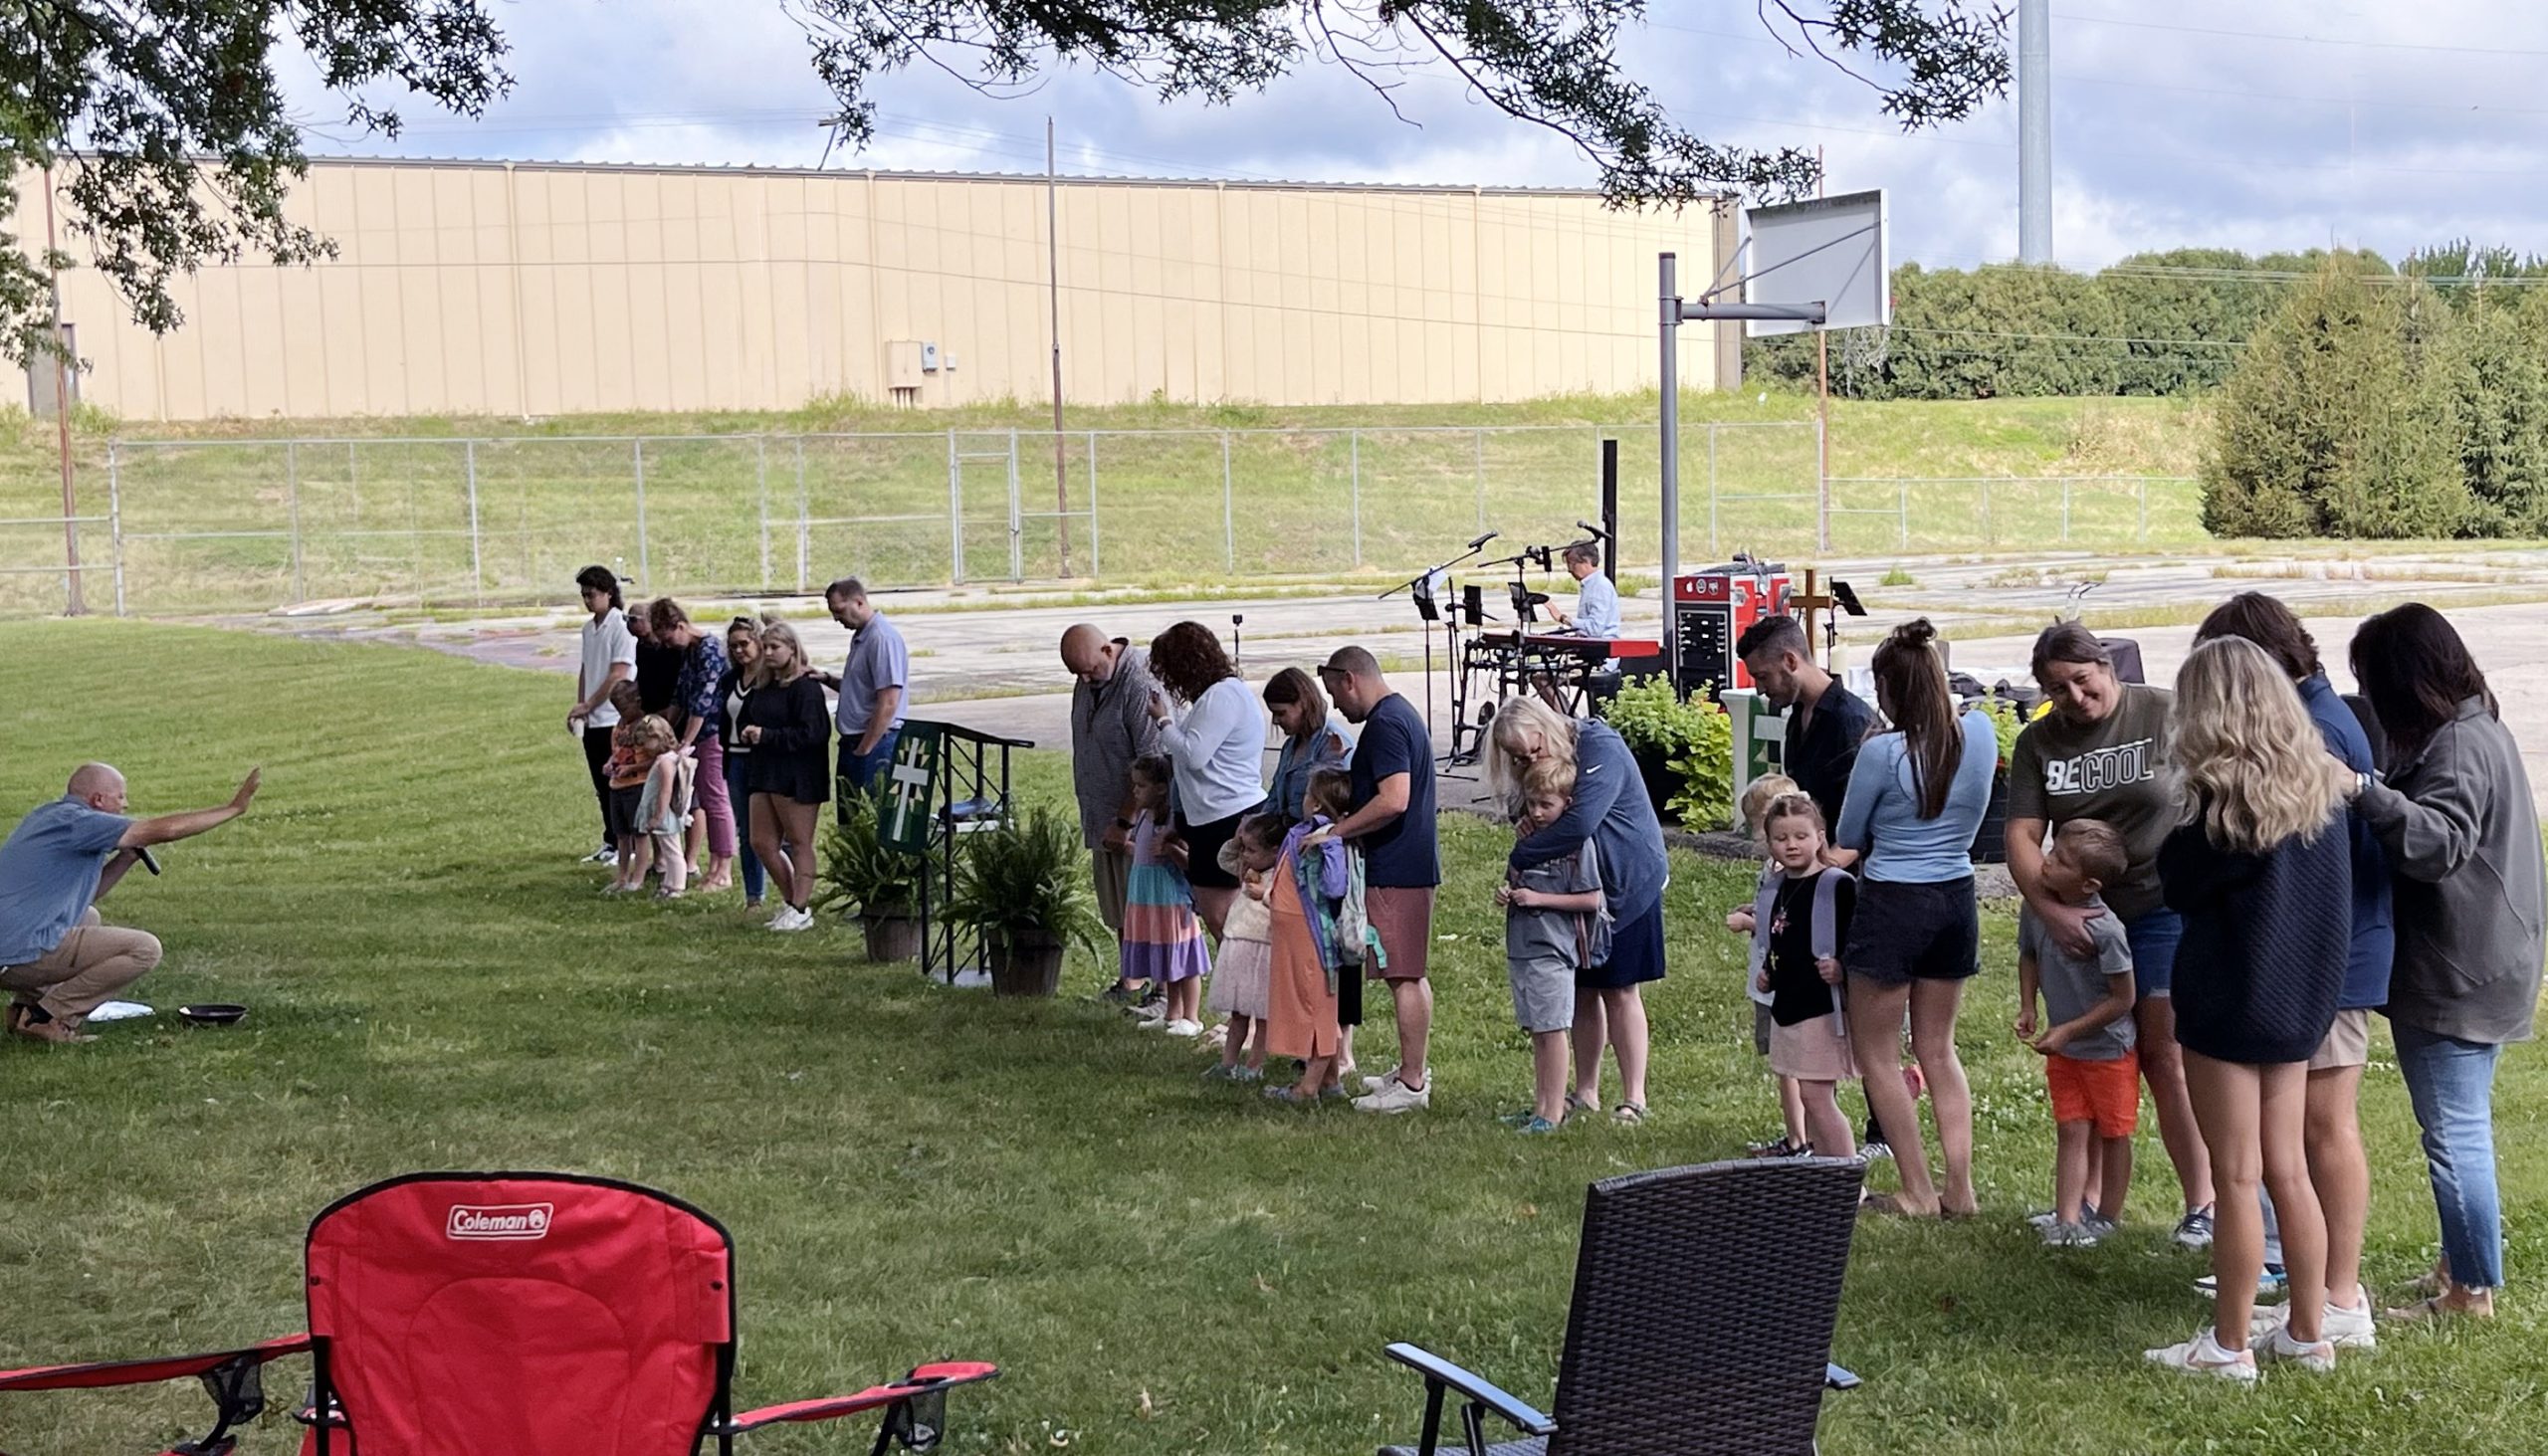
(1318, 936)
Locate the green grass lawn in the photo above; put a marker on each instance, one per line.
(1162, 1266)
(384, 506)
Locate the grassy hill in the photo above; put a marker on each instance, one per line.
(385, 505)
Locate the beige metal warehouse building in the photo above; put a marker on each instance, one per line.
(541, 289)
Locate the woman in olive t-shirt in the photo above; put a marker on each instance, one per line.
(2096, 755)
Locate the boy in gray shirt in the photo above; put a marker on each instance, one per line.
(1555, 924)
(2090, 1061)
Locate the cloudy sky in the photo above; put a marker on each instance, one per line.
(2246, 124)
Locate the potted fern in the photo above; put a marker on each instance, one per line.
(860, 875)
(1022, 888)
(1683, 746)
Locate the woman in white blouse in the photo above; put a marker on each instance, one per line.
(1216, 747)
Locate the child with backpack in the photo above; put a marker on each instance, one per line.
(1799, 922)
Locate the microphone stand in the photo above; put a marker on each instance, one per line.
(1422, 578)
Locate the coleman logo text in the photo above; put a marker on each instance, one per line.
(502, 1221)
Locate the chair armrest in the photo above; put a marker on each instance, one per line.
(102, 1374)
(1514, 1410)
(919, 1381)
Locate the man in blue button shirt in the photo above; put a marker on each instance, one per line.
(1597, 600)
(56, 960)
(871, 684)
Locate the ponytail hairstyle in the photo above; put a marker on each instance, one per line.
(1911, 684)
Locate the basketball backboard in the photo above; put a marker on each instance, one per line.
(1829, 251)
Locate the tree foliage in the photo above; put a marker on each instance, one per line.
(1556, 65)
(2386, 410)
(2168, 323)
(172, 141)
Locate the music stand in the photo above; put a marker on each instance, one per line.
(1422, 587)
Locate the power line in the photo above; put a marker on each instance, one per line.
(2252, 35)
(2365, 103)
(2221, 344)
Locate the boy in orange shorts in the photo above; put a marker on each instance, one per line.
(2089, 1061)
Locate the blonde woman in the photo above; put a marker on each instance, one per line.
(2262, 870)
(787, 728)
(1611, 811)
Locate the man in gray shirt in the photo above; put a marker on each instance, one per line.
(871, 685)
(1111, 725)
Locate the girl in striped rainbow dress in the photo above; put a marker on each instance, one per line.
(1163, 941)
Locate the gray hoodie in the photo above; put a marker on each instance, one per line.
(2463, 837)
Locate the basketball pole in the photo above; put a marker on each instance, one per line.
(1669, 328)
(1821, 416)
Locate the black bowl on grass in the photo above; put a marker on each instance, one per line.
(214, 1013)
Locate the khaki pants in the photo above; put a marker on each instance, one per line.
(1111, 871)
(93, 963)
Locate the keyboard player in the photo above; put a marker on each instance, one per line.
(1596, 601)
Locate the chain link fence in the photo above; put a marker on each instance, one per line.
(225, 526)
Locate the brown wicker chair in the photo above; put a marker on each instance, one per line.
(1704, 1300)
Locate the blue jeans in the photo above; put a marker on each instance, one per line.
(2154, 934)
(864, 769)
(741, 796)
(2452, 1084)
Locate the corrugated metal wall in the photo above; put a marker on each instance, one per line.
(489, 288)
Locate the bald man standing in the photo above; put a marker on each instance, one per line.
(1111, 725)
(57, 963)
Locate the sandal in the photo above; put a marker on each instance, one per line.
(1883, 1205)
(1630, 1113)
(1575, 1102)
(1289, 1097)
(35, 1024)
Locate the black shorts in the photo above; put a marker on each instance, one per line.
(623, 812)
(1203, 852)
(1907, 933)
(1348, 999)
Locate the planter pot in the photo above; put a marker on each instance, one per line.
(891, 937)
(1991, 841)
(1654, 766)
(1025, 966)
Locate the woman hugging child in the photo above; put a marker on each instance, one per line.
(1555, 924)
(1799, 921)
(1242, 976)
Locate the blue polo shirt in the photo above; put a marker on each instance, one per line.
(48, 872)
(878, 659)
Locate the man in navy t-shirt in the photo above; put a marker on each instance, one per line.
(57, 962)
(1392, 825)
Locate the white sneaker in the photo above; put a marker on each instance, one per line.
(2353, 1328)
(1383, 1081)
(1153, 1023)
(1397, 1097)
(2202, 1356)
(2318, 1359)
(789, 919)
(608, 854)
(1183, 1027)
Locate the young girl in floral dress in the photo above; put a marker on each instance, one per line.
(1163, 939)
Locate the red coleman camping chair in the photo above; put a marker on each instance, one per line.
(520, 1314)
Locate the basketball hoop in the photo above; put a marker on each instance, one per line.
(1814, 266)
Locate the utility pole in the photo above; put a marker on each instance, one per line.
(2034, 131)
(1053, 282)
(74, 603)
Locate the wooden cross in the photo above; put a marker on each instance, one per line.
(1805, 604)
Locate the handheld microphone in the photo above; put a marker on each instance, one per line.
(1482, 541)
(142, 854)
(1591, 530)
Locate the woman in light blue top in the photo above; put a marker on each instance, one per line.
(1915, 799)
